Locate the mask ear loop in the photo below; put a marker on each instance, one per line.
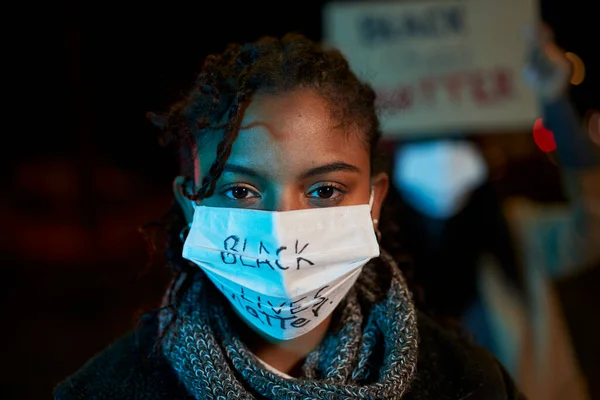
(186, 229)
(184, 232)
(377, 231)
(375, 221)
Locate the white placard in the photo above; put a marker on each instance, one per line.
(440, 65)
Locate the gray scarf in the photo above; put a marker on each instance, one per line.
(213, 363)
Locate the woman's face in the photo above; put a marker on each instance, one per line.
(289, 155)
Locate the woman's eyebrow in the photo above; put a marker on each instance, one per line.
(330, 167)
(319, 170)
(239, 169)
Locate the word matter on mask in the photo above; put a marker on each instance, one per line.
(283, 315)
(234, 247)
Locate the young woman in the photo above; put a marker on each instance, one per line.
(281, 287)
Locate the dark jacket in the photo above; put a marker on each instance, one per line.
(448, 368)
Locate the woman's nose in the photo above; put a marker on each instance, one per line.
(285, 200)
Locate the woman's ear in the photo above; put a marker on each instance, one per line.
(187, 205)
(380, 185)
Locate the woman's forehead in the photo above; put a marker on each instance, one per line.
(284, 134)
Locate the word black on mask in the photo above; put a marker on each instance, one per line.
(234, 247)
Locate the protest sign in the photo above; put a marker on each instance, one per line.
(440, 65)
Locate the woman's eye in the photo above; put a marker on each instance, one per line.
(328, 192)
(240, 193)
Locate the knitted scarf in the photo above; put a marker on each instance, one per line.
(369, 352)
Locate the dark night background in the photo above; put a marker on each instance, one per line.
(82, 168)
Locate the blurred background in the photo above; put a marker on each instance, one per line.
(83, 169)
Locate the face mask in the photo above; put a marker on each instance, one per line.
(437, 178)
(284, 272)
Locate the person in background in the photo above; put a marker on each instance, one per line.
(489, 264)
(558, 242)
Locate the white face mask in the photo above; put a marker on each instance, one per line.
(437, 178)
(284, 272)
